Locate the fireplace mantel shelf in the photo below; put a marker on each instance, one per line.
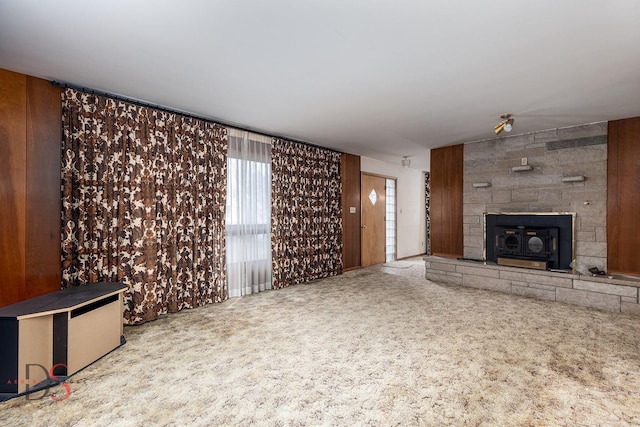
(618, 293)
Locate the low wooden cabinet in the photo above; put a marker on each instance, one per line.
(59, 333)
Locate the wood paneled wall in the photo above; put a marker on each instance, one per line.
(623, 196)
(447, 167)
(350, 221)
(30, 136)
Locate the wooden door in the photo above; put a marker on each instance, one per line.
(373, 220)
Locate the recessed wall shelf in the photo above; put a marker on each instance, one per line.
(577, 178)
(523, 168)
(481, 184)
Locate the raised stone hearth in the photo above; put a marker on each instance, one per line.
(613, 294)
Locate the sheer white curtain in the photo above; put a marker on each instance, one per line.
(248, 221)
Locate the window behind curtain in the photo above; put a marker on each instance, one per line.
(248, 215)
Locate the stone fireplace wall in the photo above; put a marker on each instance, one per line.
(552, 155)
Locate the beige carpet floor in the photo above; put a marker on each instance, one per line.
(364, 348)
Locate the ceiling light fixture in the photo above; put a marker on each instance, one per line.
(506, 124)
(406, 161)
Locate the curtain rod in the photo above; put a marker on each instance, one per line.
(182, 113)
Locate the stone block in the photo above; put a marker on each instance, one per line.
(570, 144)
(593, 221)
(546, 136)
(474, 208)
(503, 166)
(588, 299)
(487, 149)
(535, 144)
(551, 157)
(524, 195)
(526, 291)
(477, 195)
(630, 308)
(443, 278)
(574, 194)
(541, 279)
(477, 271)
(579, 156)
(477, 163)
(606, 288)
(628, 299)
(586, 236)
(601, 234)
(502, 182)
(471, 219)
(541, 286)
(501, 196)
(596, 182)
(554, 169)
(488, 283)
(442, 266)
(583, 131)
(549, 196)
(474, 252)
(574, 185)
(533, 180)
(533, 154)
(475, 231)
(579, 204)
(591, 249)
(512, 207)
(539, 207)
(518, 142)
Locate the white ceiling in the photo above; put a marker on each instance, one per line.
(377, 78)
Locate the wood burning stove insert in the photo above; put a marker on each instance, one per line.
(527, 244)
(541, 241)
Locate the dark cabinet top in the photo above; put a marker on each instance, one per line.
(63, 300)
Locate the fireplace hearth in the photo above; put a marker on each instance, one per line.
(531, 240)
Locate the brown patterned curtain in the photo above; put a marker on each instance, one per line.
(306, 220)
(427, 200)
(144, 195)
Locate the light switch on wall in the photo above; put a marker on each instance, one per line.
(352, 209)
